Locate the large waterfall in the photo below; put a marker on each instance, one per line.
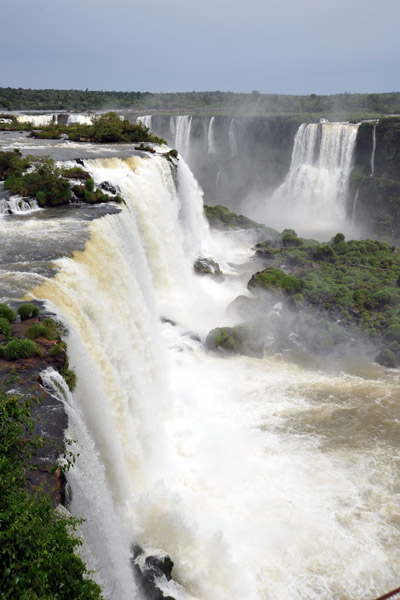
(238, 467)
(260, 477)
(313, 197)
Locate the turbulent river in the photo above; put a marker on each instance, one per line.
(262, 478)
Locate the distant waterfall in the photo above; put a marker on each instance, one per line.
(232, 137)
(373, 150)
(211, 144)
(180, 130)
(315, 189)
(146, 120)
(36, 120)
(79, 119)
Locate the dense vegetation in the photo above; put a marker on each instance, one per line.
(37, 545)
(255, 102)
(355, 284)
(41, 178)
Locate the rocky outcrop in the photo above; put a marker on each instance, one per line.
(22, 376)
(207, 266)
(150, 572)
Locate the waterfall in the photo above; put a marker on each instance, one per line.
(354, 211)
(181, 133)
(36, 120)
(237, 467)
(211, 148)
(373, 150)
(315, 189)
(145, 120)
(79, 119)
(17, 205)
(109, 295)
(232, 137)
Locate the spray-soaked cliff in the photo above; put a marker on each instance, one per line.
(375, 181)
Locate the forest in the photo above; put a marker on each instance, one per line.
(200, 102)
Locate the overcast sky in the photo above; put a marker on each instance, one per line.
(280, 46)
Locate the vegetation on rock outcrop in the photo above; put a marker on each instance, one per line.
(41, 178)
(337, 287)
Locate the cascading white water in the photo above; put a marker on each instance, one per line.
(146, 120)
(232, 137)
(181, 127)
(17, 205)
(211, 143)
(260, 479)
(79, 119)
(314, 193)
(36, 120)
(373, 150)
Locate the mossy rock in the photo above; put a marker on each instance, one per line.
(207, 266)
(230, 339)
(387, 358)
(272, 279)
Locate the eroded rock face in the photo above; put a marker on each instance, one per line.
(22, 376)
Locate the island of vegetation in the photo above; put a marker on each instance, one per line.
(345, 286)
(104, 129)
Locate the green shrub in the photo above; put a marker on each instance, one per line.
(41, 198)
(89, 184)
(38, 330)
(5, 327)
(393, 332)
(2, 353)
(7, 313)
(21, 349)
(70, 378)
(58, 348)
(26, 311)
(49, 322)
(272, 278)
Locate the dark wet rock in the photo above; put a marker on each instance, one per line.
(193, 336)
(62, 119)
(148, 570)
(108, 187)
(207, 266)
(166, 320)
(80, 161)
